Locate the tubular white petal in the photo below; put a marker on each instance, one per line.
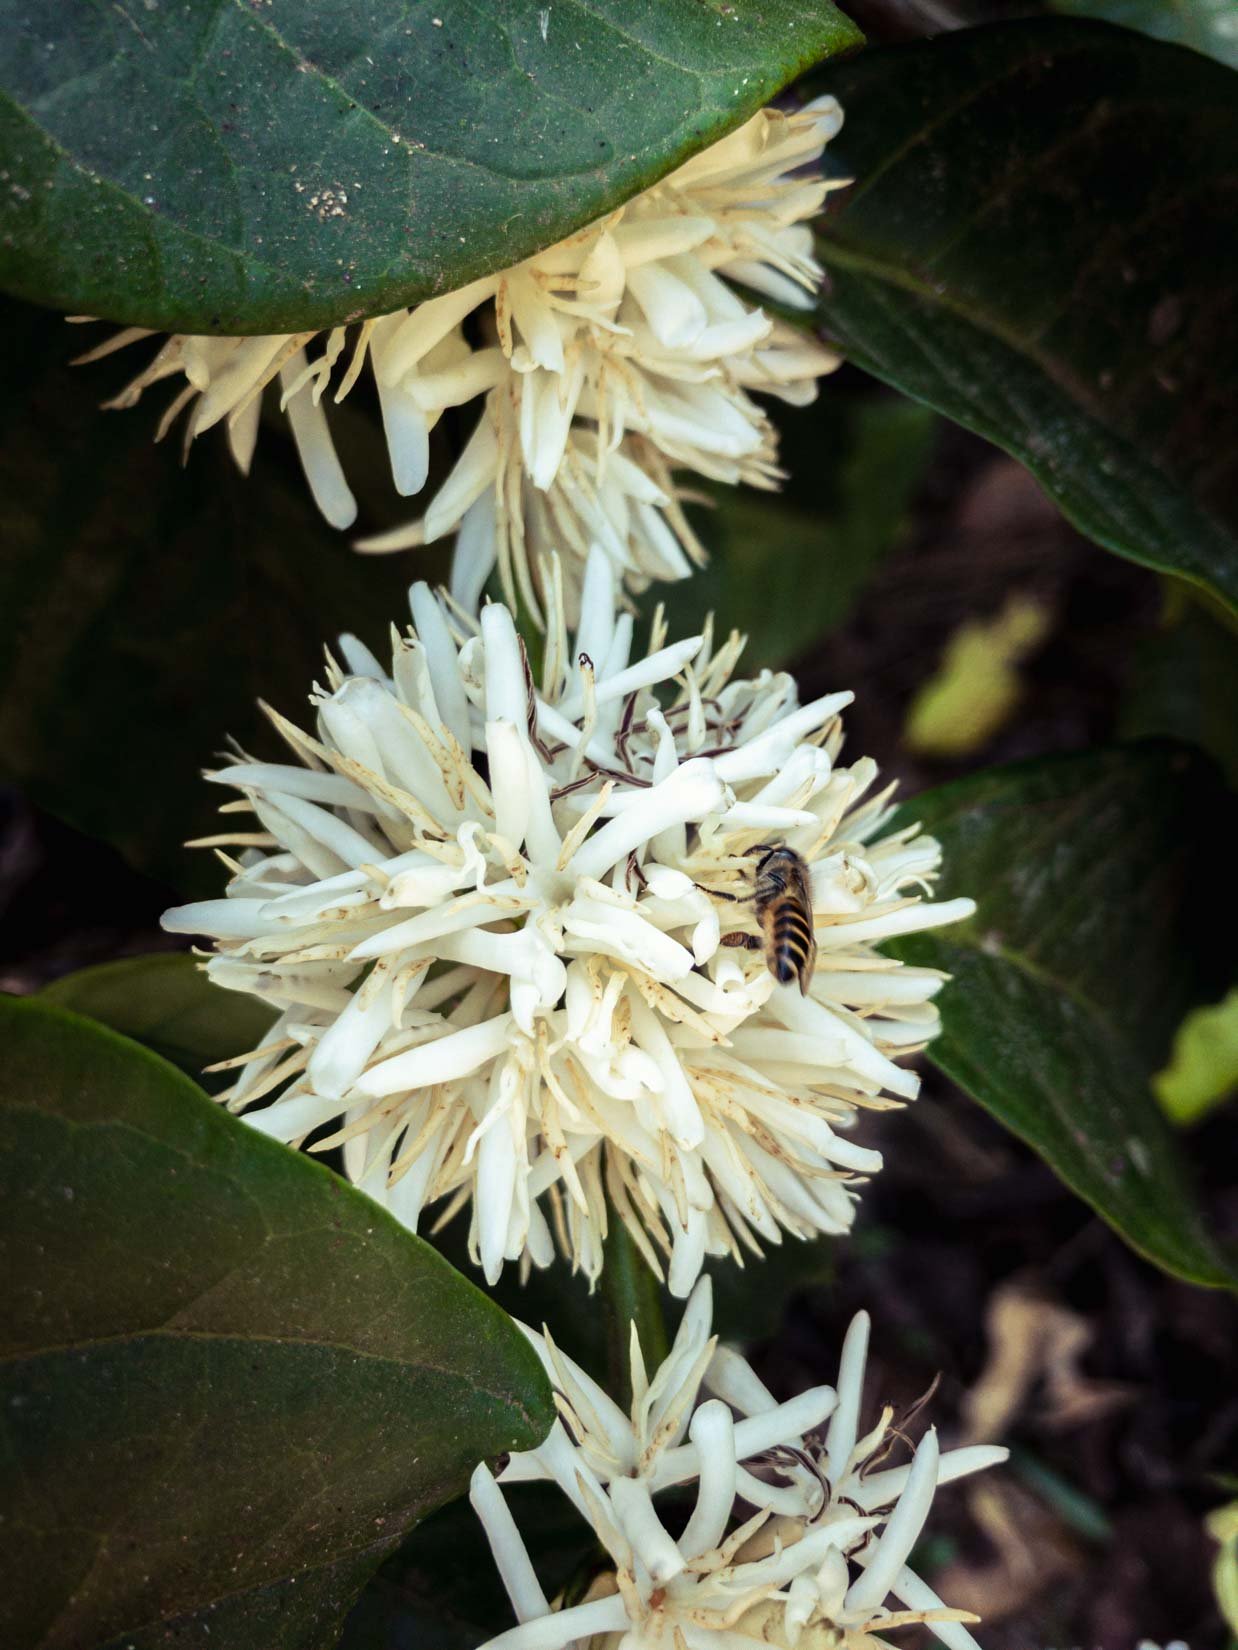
(738, 1384)
(879, 1488)
(294, 1117)
(449, 694)
(803, 1014)
(510, 1554)
(911, 920)
(752, 816)
(771, 750)
(556, 1632)
(505, 684)
(558, 1459)
(243, 429)
(438, 1062)
(342, 1052)
(675, 313)
(509, 780)
(597, 607)
(476, 551)
(408, 438)
(475, 471)
(902, 1530)
(658, 667)
(654, 1547)
(497, 1168)
(713, 1432)
(785, 1424)
(690, 793)
(330, 788)
(239, 372)
(225, 919)
(587, 1397)
(316, 451)
(844, 1423)
(687, 1253)
(428, 324)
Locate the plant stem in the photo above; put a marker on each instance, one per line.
(631, 1294)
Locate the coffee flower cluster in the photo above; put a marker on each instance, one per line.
(490, 916)
(797, 1535)
(605, 363)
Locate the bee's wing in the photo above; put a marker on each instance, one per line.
(802, 886)
(799, 882)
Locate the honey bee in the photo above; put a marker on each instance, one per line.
(783, 901)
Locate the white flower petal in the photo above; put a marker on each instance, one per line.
(308, 421)
(902, 1530)
(438, 1062)
(510, 1554)
(844, 1423)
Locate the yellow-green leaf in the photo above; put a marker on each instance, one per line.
(1203, 1070)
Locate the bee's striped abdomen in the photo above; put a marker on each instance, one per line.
(792, 943)
(784, 906)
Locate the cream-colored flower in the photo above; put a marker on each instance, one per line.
(606, 362)
(797, 1537)
(490, 917)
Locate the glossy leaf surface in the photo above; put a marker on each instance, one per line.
(1095, 931)
(1206, 26)
(1041, 244)
(231, 1383)
(166, 1003)
(221, 167)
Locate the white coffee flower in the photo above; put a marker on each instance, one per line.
(795, 1537)
(491, 919)
(605, 362)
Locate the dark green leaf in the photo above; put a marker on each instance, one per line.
(632, 1299)
(168, 1005)
(221, 167)
(1095, 877)
(750, 1301)
(231, 1383)
(788, 570)
(1042, 245)
(147, 608)
(1184, 685)
(1205, 25)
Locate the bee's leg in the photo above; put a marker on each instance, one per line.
(718, 893)
(750, 942)
(760, 848)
